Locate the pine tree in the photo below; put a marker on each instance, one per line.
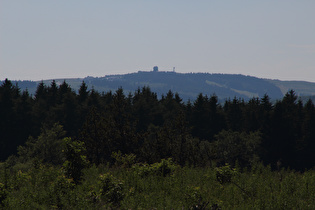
(95, 135)
(83, 93)
(8, 121)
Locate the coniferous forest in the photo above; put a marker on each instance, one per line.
(65, 148)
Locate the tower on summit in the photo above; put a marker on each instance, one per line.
(155, 69)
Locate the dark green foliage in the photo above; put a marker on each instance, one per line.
(95, 135)
(206, 117)
(173, 140)
(225, 174)
(142, 151)
(231, 147)
(234, 114)
(3, 194)
(146, 109)
(76, 161)
(306, 144)
(155, 129)
(285, 131)
(9, 130)
(47, 148)
(60, 192)
(123, 161)
(44, 187)
(111, 189)
(194, 198)
(163, 168)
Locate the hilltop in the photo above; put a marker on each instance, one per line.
(187, 85)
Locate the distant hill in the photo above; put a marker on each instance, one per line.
(188, 85)
(300, 87)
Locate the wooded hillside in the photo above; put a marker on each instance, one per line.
(197, 133)
(89, 150)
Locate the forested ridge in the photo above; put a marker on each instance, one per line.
(188, 85)
(195, 133)
(61, 127)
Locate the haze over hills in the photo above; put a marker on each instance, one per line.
(187, 85)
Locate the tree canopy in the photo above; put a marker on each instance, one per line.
(196, 133)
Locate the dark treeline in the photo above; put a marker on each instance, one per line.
(197, 133)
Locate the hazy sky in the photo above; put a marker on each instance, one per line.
(44, 39)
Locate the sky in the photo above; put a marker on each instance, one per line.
(51, 39)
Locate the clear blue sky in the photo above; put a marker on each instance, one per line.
(44, 39)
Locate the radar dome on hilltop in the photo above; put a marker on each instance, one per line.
(155, 69)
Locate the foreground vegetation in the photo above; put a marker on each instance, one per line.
(60, 149)
(162, 185)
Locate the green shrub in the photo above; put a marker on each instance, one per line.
(3, 194)
(231, 146)
(75, 159)
(111, 189)
(194, 199)
(61, 192)
(47, 147)
(225, 173)
(164, 186)
(164, 168)
(123, 161)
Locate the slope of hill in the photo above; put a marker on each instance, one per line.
(300, 87)
(188, 86)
